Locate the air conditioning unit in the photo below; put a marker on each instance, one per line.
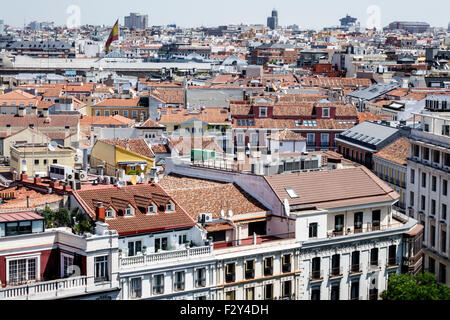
(70, 176)
(81, 175)
(205, 217)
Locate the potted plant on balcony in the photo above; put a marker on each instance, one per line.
(120, 252)
(144, 249)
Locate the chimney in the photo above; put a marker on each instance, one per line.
(45, 112)
(23, 177)
(34, 111)
(37, 180)
(100, 212)
(22, 112)
(28, 201)
(8, 130)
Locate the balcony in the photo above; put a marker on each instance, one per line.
(250, 274)
(230, 277)
(315, 275)
(56, 289)
(355, 268)
(375, 265)
(179, 286)
(369, 228)
(268, 271)
(200, 283)
(169, 256)
(336, 272)
(286, 267)
(158, 289)
(392, 263)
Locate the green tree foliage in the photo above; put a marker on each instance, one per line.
(63, 218)
(421, 287)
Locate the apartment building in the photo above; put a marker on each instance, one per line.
(129, 108)
(48, 264)
(428, 170)
(390, 165)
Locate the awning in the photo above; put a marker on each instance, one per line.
(19, 216)
(132, 163)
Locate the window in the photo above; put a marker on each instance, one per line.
(355, 267)
(116, 112)
(179, 281)
(170, 207)
(376, 219)
(444, 212)
(311, 139)
(324, 139)
(443, 241)
(268, 266)
(436, 156)
(416, 150)
(413, 172)
(433, 236)
(240, 139)
(109, 213)
(250, 293)
(136, 288)
(22, 271)
(315, 268)
(268, 291)
(55, 161)
(230, 275)
(339, 223)
(424, 180)
(134, 247)
(431, 265)
(67, 270)
(152, 209)
(36, 162)
(287, 289)
(422, 202)
(444, 187)
(182, 239)
(263, 112)
(98, 113)
(374, 257)
(354, 290)
(411, 199)
(134, 114)
(442, 273)
(158, 284)
(230, 295)
(286, 266)
(129, 211)
(200, 278)
(250, 269)
(315, 293)
(335, 292)
(358, 222)
(101, 268)
(161, 244)
(373, 294)
(392, 258)
(313, 230)
(325, 112)
(336, 265)
(291, 192)
(433, 207)
(107, 113)
(426, 153)
(125, 113)
(433, 183)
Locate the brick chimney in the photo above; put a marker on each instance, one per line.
(100, 214)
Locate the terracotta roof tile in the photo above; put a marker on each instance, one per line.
(397, 151)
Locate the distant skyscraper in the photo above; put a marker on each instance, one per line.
(136, 21)
(272, 22)
(2, 27)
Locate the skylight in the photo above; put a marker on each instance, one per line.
(291, 193)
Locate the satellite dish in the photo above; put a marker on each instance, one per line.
(52, 146)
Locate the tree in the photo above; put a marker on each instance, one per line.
(421, 287)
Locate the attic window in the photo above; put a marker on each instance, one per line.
(129, 211)
(152, 209)
(291, 193)
(170, 207)
(109, 214)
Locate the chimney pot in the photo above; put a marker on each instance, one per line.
(100, 214)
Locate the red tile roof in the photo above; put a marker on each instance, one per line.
(136, 196)
(138, 146)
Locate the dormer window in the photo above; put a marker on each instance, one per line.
(170, 207)
(325, 112)
(110, 213)
(152, 209)
(129, 212)
(263, 112)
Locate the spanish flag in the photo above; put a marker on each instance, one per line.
(113, 36)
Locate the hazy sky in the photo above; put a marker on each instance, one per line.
(186, 13)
